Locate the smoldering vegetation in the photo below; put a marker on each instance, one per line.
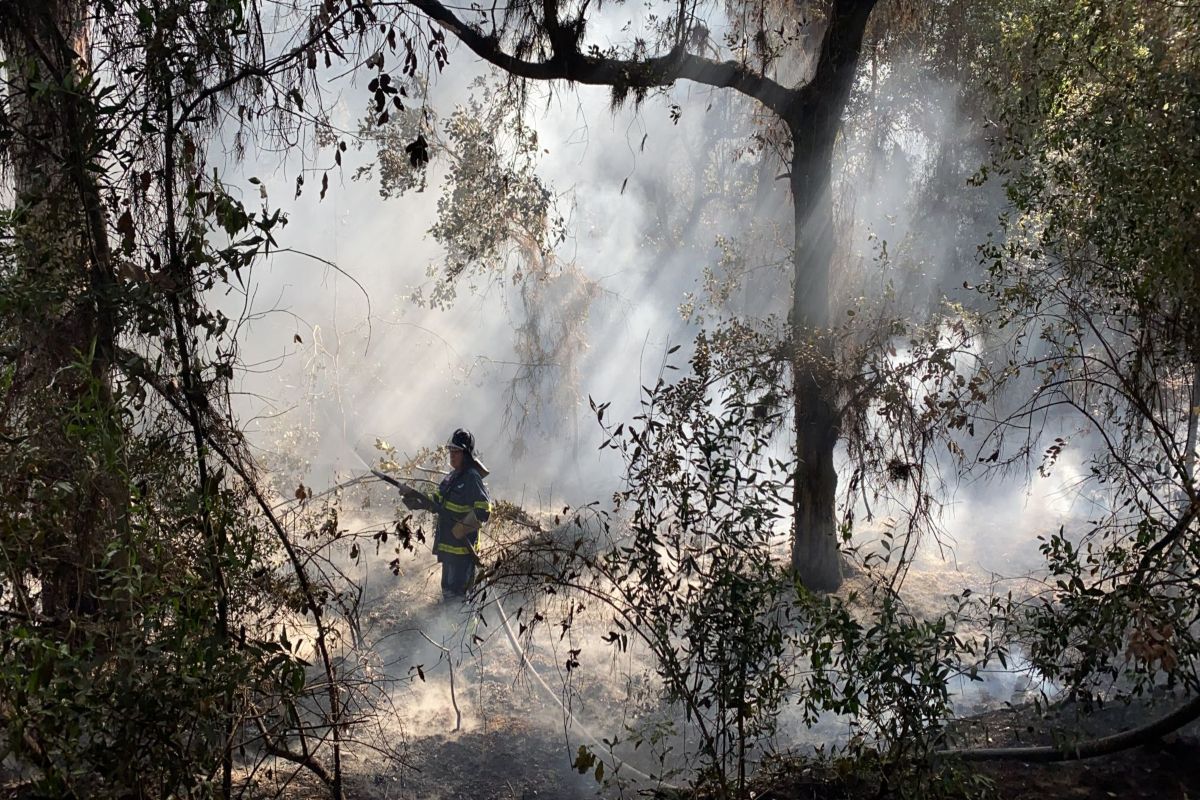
(980, 540)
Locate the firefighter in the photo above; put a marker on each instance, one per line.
(462, 505)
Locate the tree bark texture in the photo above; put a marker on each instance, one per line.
(814, 121)
(816, 558)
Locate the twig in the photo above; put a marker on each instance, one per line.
(303, 759)
(1176, 531)
(453, 696)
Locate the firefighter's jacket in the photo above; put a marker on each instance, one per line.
(460, 494)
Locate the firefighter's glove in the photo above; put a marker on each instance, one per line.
(413, 501)
(466, 526)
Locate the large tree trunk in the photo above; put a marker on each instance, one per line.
(816, 558)
(814, 121)
(62, 319)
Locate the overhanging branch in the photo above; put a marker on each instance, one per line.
(656, 71)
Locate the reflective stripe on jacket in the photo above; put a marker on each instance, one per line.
(459, 494)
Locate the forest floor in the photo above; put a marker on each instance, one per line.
(516, 744)
(513, 762)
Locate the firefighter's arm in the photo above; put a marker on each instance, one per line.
(412, 498)
(481, 509)
(416, 501)
(420, 501)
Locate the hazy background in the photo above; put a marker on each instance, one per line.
(336, 363)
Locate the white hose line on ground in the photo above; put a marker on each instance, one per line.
(614, 761)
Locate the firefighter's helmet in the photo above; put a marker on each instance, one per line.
(462, 440)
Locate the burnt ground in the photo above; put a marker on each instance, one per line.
(515, 755)
(512, 745)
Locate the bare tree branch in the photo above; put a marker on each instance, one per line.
(577, 67)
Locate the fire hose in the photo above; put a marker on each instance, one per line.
(598, 745)
(403, 487)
